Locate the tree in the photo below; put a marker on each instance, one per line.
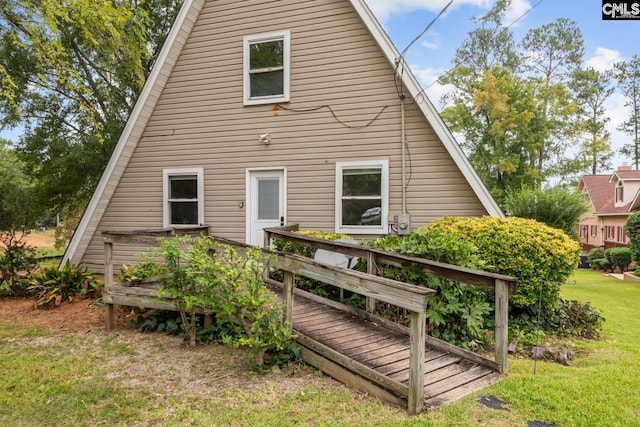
(17, 215)
(632, 230)
(499, 127)
(553, 53)
(488, 47)
(627, 73)
(557, 207)
(591, 90)
(71, 73)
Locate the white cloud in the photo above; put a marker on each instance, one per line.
(604, 59)
(516, 10)
(428, 78)
(382, 9)
(432, 42)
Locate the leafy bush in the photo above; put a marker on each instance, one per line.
(557, 207)
(618, 258)
(147, 268)
(569, 318)
(632, 230)
(202, 274)
(576, 319)
(17, 258)
(457, 313)
(52, 287)
(538, 255)
(601, 264)
(594, 254)
(170, 322)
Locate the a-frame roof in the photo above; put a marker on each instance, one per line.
(157, 80)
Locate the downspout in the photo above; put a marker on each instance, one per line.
(403, 138)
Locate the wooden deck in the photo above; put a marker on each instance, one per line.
(379, 352)
(401, 365)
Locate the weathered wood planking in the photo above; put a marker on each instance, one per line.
(366, 347)
(502, 285)
(393, 362)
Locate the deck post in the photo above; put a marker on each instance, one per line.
(288, 285)
(415, 401)
(371, 269)
(267, 239)
(502, 322)
(108, 282)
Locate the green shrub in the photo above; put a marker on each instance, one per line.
(632, 231)
(573, 318)
(618, 258)
(541, 257)
(17, 259)
(170, 322)
(594, 254)
(569, 318)
(457, 312)
(202, 274)
(557, 207)
(601, 264)
(53, 286)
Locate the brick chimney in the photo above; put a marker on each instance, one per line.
(624, 167)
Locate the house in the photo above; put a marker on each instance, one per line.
(262, 113)
(612, 198)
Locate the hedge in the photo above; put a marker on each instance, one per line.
(536, 254)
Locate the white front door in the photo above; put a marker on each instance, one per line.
(265, 203)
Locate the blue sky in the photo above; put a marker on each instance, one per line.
(606, 42)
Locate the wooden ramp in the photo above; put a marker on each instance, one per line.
(401, 365)
(368, 355)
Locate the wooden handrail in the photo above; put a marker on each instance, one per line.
(411, 297)
(502, 285)
(479, 278)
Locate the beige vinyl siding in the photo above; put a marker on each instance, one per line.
(199, 121)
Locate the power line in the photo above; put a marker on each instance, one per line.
(400, 59)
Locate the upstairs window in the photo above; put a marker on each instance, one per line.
(362, 197)
(183, 191)
(266, 68)
(619, 192)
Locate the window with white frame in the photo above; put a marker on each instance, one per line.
(266, 68)
(620, 192)
(362, 197)
(183, 194)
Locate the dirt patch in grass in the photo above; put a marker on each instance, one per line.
(81, 315)
(158, 362)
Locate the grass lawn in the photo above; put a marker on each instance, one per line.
(48, 379)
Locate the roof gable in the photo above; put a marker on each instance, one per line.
(157, 81)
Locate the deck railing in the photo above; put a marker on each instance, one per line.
(502, 285)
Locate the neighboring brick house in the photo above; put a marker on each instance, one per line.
(612, 199)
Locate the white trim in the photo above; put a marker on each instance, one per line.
(166, 211)
(248, 201)
(363, 229)
(285, 36)
(448, 140)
